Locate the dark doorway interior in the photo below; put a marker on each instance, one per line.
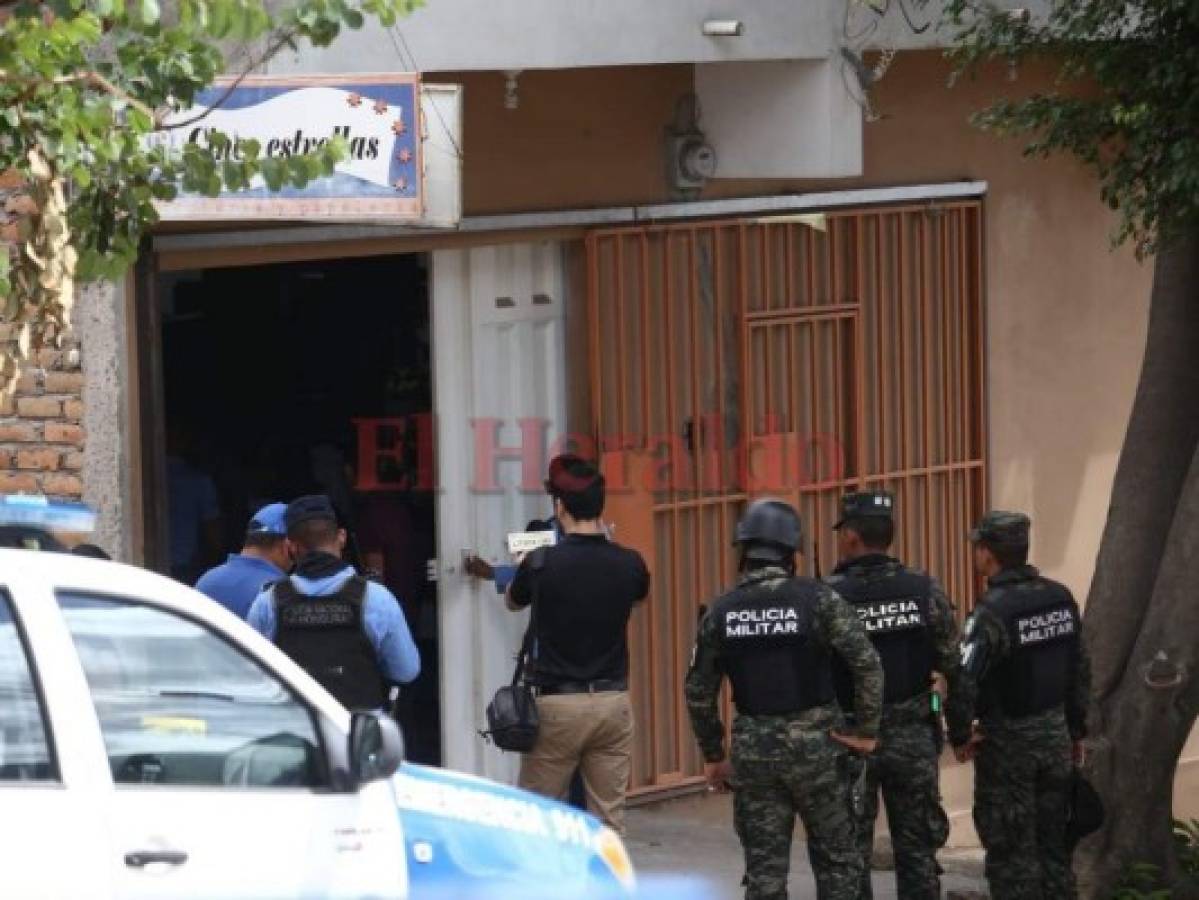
(271, 377)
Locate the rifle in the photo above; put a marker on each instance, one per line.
(816, 558)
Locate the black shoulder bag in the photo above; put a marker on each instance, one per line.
(512, 720)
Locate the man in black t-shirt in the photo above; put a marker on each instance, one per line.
(582, 591)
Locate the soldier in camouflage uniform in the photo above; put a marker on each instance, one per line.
(911, 624)
(1027, 677)
(772, 636)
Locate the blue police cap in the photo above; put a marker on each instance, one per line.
(308, 509)
(271, 519)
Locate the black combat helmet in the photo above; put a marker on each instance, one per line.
(770, 530)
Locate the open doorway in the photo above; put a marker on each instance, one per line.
(299, 378)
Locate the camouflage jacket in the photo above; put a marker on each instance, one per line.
(837, 627)
(987, 632)
(943, 630)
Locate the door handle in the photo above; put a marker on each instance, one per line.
(139, 859)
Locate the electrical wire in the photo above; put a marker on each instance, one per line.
(854, 43)
(408, 61)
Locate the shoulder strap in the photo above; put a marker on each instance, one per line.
(354, 590)
(284, 591)
(536, 565)
(354, 593)
(537, 558)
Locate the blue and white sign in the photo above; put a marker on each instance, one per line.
(378, 116)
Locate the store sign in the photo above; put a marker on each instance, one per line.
(378, 117)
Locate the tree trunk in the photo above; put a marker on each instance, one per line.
(1147, 718)
(1142, 600)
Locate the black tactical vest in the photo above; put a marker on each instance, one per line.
(325, 636)
(1042, 623)
(768, 649)
(894, 604)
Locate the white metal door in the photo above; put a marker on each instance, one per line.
(498, 317)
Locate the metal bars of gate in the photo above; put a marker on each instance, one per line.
(794, 357)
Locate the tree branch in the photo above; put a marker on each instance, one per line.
(100, 81)
(95, 79)
(282, 40)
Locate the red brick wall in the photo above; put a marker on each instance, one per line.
(41, 438)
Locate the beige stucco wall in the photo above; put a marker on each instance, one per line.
(1066, 316)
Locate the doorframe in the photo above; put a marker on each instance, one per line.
(148, 488)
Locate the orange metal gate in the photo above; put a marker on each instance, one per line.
(796, 357)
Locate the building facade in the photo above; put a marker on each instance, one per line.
(868, 291)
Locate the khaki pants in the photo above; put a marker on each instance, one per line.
(590, 732)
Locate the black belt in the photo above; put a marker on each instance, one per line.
(603, 685)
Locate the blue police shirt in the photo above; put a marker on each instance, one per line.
(382, 620)
(503, 575)
(236, 583)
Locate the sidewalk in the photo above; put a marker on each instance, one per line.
(693, 837)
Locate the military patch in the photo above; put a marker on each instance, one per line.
(769, 622)
(888, 616)
(969, 626)
(966, 652)
(1045, 626)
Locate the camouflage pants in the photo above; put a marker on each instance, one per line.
(905, 768)
(783, 770)
(1021, 795)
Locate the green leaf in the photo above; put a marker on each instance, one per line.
(138, 120)
(250, 148)
(274, 176)
(219, 18)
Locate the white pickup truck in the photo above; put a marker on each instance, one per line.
(154, 746)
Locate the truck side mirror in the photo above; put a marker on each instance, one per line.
(376, 746)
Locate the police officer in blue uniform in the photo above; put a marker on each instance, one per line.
(348, 633)
(263, 560)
